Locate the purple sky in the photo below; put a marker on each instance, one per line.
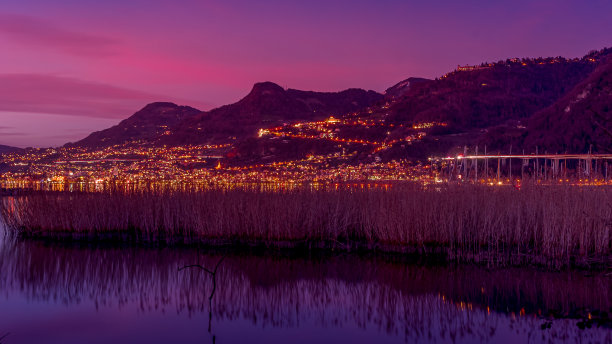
(69, 67)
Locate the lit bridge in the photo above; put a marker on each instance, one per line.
(589, 167)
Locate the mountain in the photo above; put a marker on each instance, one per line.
(402, 87)
(556, 103)
(267, 104)
(579, 121)
(147, 124)
(8, 149)
(488, 103)
(482, 96)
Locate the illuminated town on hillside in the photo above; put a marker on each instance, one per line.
(138, 162)
(327, 172)
(353, 145)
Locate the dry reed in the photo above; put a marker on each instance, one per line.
(550, 225)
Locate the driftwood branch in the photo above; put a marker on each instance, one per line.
(213, 273)
(196, 266)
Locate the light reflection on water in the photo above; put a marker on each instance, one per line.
(65, 294)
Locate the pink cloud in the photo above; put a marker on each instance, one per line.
(38, 93)
(23, 129)
(42, 34)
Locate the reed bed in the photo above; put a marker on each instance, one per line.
(550, 225)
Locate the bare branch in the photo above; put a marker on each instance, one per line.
(212, 273)
(218, 263)
(197, 266)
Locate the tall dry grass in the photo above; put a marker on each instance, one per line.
(556, 225)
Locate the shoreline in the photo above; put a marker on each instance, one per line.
(430, 254)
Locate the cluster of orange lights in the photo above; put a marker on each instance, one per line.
(322, 131)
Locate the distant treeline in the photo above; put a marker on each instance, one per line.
(545, 225)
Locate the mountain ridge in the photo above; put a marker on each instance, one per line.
(267, 104)
(487, 104)
(581, 121)
(8, 149)
(490, 103)
(149, 122)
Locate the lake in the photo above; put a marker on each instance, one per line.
(60, 293)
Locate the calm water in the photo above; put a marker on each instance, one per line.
(55, 294)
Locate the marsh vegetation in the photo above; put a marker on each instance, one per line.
(550, 225)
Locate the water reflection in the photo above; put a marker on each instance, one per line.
(280, 298)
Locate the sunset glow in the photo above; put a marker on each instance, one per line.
(107, 59)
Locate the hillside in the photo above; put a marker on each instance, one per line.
(486, 104)
(480, 105)
(267, 105)
(519, 102)
(150, 122)
(581, 120)
(401, 88)
(8, 149)
(491, 94)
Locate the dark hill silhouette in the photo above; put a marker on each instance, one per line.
(402, 87)
(518, 102)
(267, 105)
(488, 104)
(489, 96)
(147, 124)
(8, 149)
(581, 120)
